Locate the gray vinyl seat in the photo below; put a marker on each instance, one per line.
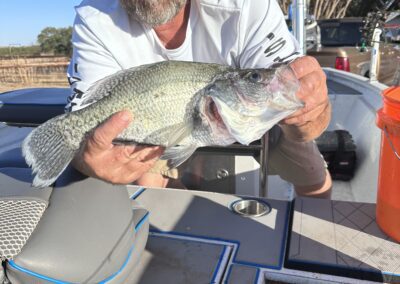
(85, 231)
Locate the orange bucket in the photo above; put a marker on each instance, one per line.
(388, 200)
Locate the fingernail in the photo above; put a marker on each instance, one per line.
(125, 116)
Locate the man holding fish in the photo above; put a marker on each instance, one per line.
(114, 35)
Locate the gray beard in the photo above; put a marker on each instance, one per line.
(153, 12)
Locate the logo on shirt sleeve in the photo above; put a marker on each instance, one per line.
(275, 46)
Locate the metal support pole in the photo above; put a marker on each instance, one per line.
(264, 166)
(373, 73)
(298, 8)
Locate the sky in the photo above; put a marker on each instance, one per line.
(21, 21)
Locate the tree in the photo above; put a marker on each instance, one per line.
(56, 40)
(329, 9)
(360, 8)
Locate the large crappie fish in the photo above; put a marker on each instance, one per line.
(179, 105)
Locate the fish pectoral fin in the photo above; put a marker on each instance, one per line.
(178, 154)
(176, 133)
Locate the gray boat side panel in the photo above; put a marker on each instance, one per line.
(200, 172)
(357, 114)
(204, 214)
(335, 87)
(85, 235)
(17, 182)
(176, 261)
(341, 238)
(135, 257)
(240, 274)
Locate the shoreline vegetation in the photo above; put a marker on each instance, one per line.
(17, 72)
(37, 66)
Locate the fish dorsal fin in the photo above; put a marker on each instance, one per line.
(178, 154)
(103, 87)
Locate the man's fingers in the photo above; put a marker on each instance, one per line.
(145, 154)
(103, 136)
(135, 154)
(136, 169)
(311, 103)
(139, 168)
(304, 65)
(303, 118)
(312, 83)
(144, 161)
(154, 154)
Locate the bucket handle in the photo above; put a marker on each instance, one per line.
(391, 143)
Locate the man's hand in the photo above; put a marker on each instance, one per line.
(309, 122)
(114, 163)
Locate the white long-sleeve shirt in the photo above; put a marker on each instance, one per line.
(240, 33)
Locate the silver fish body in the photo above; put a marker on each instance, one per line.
(178, 105)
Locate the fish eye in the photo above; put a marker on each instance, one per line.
(255, 77)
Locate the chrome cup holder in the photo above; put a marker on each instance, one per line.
(250, 207)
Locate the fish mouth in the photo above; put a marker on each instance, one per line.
(213, 111)
(213, 116)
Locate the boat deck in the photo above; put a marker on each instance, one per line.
(196, 238)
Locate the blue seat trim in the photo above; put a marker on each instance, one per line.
(37, 275)
(141, 222)
(138, 192)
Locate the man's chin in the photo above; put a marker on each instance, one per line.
(144, 12)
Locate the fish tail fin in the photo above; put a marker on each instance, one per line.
(47, 151)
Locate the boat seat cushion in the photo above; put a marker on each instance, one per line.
(87, 231)
(20, 209)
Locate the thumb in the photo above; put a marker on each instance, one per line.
(103, 136)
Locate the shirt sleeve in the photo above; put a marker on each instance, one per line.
(264, 37)
(91, 61)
